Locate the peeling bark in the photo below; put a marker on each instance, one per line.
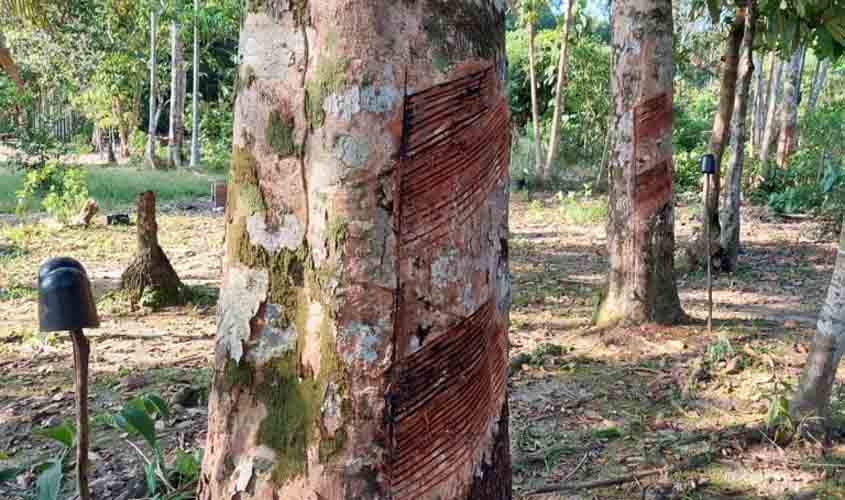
(8, 65)
(733, 195)
(812, 398)
(324, 307)
(641, 241)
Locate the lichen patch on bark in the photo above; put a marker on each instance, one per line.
(288, 236)
(242, 293)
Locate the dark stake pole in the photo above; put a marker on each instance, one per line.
(66, 303)
(81, 350)
(708, 168)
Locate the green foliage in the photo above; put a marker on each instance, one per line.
(50, 475)
(62, 187)
(586, 101)
(778, 418)
(720, 350)
(581, 208)
(692, 122)
(815, 178)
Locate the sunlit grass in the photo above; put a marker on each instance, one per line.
(117, 187)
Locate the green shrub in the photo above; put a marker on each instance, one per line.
(62, 187)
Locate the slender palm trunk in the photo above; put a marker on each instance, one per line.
(560, 88)
(641, 241)
(177, 96)
(150, 154)
(733, 196)
(789, 119)
(195, 94)
(720, 135)
(535, 118)
(813, 395)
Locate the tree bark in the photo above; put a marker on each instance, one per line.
(759, 103)
(195, 94)
(812, 397)
(765, 95)
(641, 241)
(150, 270)
(535, 118)
(177, 96)
(721, 127)
(150, 155)
(560, 87)
(122, 126)
(733, 196)
(361, 344)
(818, 83)
(770, 133)
(789, 120)
(8, 65)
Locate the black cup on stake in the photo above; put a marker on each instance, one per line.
(66, 303)
(708, 168)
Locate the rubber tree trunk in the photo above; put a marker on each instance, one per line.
(770, 134)
(535, 118)
(150, 154)
(560, 88)
(195, 93)
(122, 126)
(789, 120)
(818, 83)
(759, 103)
(641, 241)
(813, 395)
(177, 96)
(720, 134)
(150, 279)
(361, 344)
(765, 94)
(733, 195)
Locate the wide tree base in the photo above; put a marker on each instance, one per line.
(151, 281)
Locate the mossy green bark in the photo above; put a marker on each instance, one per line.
(280, 135)
(329, 78)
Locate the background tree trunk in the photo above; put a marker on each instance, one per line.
(355, 267)
(195, 94)
(759, 103)
(770, 133)
(150, 155)
(813, 395)
(8, 65)
(733, 195)
(818, 83)
(560, 87)
(789, 120)
(535, 118)
(177, 96)
(641, 241)
(150, 270)
(721, 127)
(765, 94)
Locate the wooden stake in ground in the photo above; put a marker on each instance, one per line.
(150, 271)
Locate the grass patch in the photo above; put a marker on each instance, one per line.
(118, 187)
(583, 212)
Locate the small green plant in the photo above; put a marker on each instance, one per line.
(720, 350)
(63, 189)
(137, 418)
(49, 473)
(584, 209)
(778, 419)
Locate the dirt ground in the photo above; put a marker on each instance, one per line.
(585, 404)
